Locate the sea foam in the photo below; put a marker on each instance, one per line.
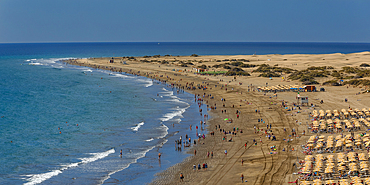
(48, 62)
(164, 128)
(137, 156)
(137, 126)
(148, 140)
(38, 178)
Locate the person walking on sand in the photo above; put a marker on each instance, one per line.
(181, 177)
(242, 177)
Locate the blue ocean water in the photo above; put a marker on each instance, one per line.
(82, 50)
(63, 124)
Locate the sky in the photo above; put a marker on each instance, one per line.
(30, 21)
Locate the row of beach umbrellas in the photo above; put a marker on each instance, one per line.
(319, 143)
(346, 112)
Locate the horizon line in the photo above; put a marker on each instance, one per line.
(69, 42)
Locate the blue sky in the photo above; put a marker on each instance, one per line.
(184, 21)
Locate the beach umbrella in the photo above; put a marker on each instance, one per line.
(330, 182)
(367, 180)
(317, 182)
(344, 182)
(341, 168)
(305, 183)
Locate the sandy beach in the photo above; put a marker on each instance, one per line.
(243, 100)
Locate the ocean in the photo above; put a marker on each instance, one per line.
(63, 124)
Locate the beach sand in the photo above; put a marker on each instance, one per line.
(261, 165)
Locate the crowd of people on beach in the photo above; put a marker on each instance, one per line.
(227, 134)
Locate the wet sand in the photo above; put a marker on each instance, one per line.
(261, 164)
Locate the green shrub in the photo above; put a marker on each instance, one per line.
(336, 74)
(226, 67)
(236, 63)
(265, 68)
(330, 82)
(357, 82)
(247, 65)
(214, 72)
(217, 66)
(322, 68)
(233, 73)
(269, 74)
(306, 78)
(347, 69)
(202, 66)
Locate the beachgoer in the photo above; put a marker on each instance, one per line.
(159, 155)
(225, 152)
(242, 177)
(181, 177)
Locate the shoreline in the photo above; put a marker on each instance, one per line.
(170, 156)
(261, 165)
